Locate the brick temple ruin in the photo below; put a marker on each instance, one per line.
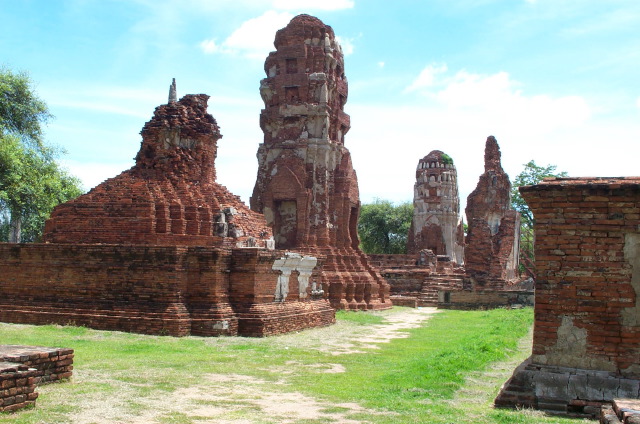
(586, 340)
(443, 267)
(163, 249)
(437, 224)
(493, 237)
(306, 186)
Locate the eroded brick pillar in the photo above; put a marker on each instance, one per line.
(586, 342)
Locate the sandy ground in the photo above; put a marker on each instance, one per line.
(238, 399)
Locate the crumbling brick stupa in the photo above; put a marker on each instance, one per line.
(437, 224)
(163, 249)
(306, 185)
(170, 196)
(493, 238)
(586, 338)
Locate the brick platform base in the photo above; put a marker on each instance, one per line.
(50, 363)
(17, 386)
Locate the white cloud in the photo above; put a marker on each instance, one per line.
(346, 44)
(313, 4)
(209, 46)
(381, 64)
(254, 38)
(427, 77)
(497, 97)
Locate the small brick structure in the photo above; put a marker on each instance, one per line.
(51, 363)
(437, 224)
(306, 186)
(17, 386)
(586, 340)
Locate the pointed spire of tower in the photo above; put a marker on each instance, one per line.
(173, 96)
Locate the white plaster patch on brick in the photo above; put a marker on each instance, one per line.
(571, 349)
(287, 264)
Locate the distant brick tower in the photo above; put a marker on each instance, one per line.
(306, 185)
(436, 223)
(493, 239)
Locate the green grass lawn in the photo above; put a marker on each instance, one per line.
(448, 370)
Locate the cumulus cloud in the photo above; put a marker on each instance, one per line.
(497, 97)
(313, 4)
(209, 46)
(253, 38)
(427, 77)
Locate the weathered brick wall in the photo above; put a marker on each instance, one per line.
(51, 363)
(17, 386)
(586, 342)
(588, 261)
(150, 289)
(141, 289)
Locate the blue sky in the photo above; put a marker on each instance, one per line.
(556, 81)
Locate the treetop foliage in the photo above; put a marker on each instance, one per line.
(532, 174)
(383, 227)
(22, 112)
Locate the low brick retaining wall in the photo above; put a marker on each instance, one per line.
(17, 386)
(50, 363)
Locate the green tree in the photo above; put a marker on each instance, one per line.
(22, 112)
(532, 174)
(383, 227)
(31, 181)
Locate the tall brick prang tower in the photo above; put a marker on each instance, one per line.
(306, 185)
(491, 253)
(436, 223)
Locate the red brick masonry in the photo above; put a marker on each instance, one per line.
(51, 363)
(586, 342)
(17, 386)
(173, 290)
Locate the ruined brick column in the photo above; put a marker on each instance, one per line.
(493, 239)
(586, 339)
(306, 185)
(436, 223)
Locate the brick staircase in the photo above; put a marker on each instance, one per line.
(431, 286)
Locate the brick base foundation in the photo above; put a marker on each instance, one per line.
(51, 363)
(17, 386)
(562, 390)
